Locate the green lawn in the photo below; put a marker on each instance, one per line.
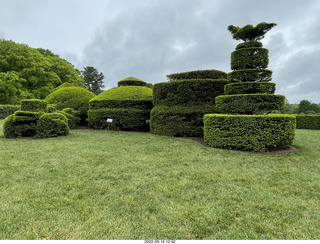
(97, 184)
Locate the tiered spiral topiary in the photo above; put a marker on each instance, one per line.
(249, 96)
(121, 108)
(181, 103)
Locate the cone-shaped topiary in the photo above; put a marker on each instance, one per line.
(121, 108)
(249, 96)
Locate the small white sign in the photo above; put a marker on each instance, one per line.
(109, 120)
(148, 121)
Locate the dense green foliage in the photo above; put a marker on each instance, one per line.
(182, 120)
(6, 110)
(248, 44)
(250, 58)
(93, 79)
(127, 106)
(258, 133)
(33, 105)
(76, 98)
(191, 92)
(199, 74)
(311, 122)
(250, 88)
(129, 119)
(249, 103)
(132, 81)
(52, 125)
(307, 107)
(250, 33)
(123, 97)
(27, 73)
(249, 75)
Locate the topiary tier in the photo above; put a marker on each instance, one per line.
(181, 103)
(121, 108)
(132, 81)
(244, 124)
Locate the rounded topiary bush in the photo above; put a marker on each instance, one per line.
(72, 97)
(198, 74)
(128, 107)
(132, 81)
(52, 125)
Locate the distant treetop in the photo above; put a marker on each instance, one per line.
(249, 32)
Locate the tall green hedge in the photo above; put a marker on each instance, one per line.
(311, 122)
(258, 133)
(199, 74)
(192, 92)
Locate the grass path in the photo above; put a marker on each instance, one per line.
(97, 184)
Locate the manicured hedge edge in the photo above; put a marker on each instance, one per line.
(191, 92)
(250, 88)
(249, 103)
(248, 44)
(250, 58)
(34, 105)
(183, 121)
(137, 104)
(311, 122)
(258, 133)
(6, 110)
(199, 74)
(52, 125)
(122, 119)
(249, 75)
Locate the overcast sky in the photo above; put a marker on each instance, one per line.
(149, 39)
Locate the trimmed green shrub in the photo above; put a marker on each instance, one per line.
(63, 85)
(52, 125)
(258, 133)
(249, 75)
(132, 81)
(250, 88)
(21, 124)
(191, 92)
(51, 108)
(249, 103)
(34, 105)
(130, 119)
(250, 58)
(311, 122)
(72, 97)
(72, 116)
(180, 120)
(124, 97)
(199, 74)
(248, 44)
(149, 85)
(6, 110)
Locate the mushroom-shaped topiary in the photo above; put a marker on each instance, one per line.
(132, 81)
(72, 97)
(121, 108)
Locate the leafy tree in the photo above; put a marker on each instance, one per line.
(307, 107)
(93, 79)
(27, 72)
(250, 33)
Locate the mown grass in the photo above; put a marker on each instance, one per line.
(97, 184)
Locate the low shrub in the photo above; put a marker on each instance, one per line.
(249, 75)
(258, 133)
(52, 125)
(250, 58)
(124, 97)
(188, 92)
(250, 88)
(72, 97)
(72, 116)
(179, 120)
(199, 74)
(129, 119)
(34, 105)
(249, 103)
(311, 122)
(8, 127)
(132, 81)
(6, 110)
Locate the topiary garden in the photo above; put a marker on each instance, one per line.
(126, 107)
(244, 123)
(181, 103)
